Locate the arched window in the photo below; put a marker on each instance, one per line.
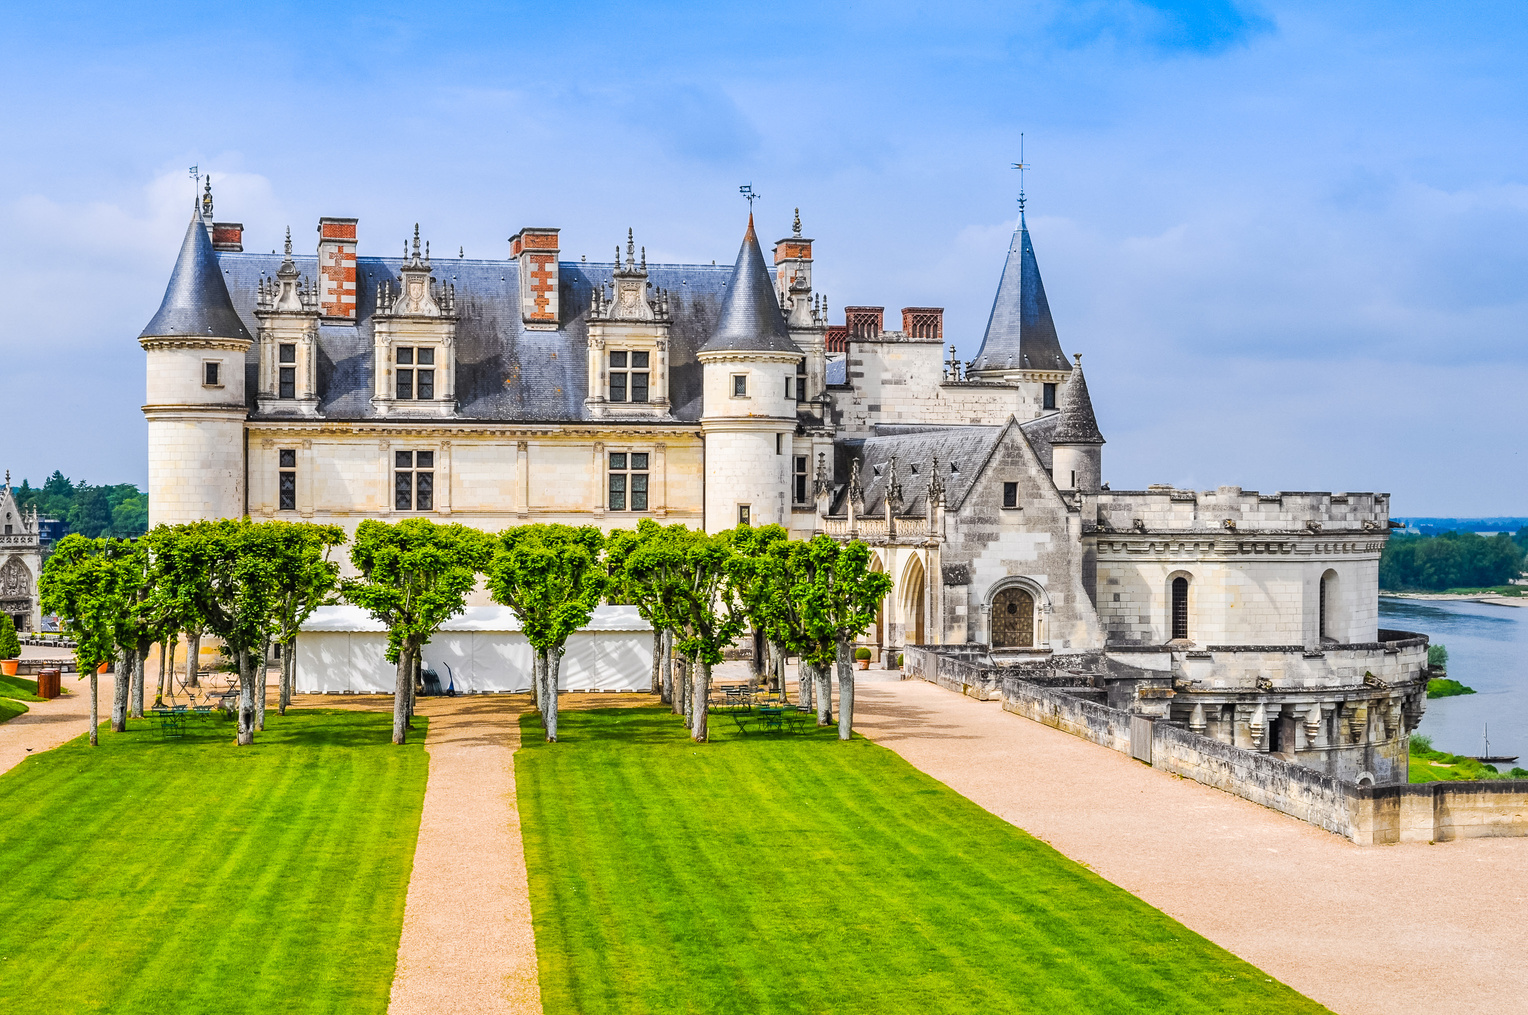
(1326, 601)
(1180, 608)
(1013, 619)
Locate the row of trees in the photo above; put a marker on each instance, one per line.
(1451, 560)
(254, 584)
(120, 510)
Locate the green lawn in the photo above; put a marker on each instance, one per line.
(195, 876)
(10, 709)
(771, 874)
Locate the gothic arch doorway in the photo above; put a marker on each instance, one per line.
(1013, 619)
(913, 600)
(880, 610)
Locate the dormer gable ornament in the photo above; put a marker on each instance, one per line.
(629, 288)
(416, 293)
(287, 292)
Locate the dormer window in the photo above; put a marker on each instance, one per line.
(416, 373)
(629, 373)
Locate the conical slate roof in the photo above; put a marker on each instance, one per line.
(750, 319)
(1076, 425)
(196, 301)
(1020, 332)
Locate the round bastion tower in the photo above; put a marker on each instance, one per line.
(196, 347)
(748, 366)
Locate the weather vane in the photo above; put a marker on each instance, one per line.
(196, 174)
(747, 191)
(1021, 165)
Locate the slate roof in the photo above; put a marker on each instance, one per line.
(750, 318)
(1020, 333)
(196, 302)
(1078, 424)
(961, 450)
(504, 372)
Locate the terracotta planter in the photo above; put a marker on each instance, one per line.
(864, 664)
(8, 666)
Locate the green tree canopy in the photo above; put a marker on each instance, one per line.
(1449, 561)
(414, 576)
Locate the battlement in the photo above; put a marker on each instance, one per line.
(1232, 509)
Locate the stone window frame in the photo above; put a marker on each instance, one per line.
(286, 479)
(745, 514)
(735, 386)
(629, 474)
(1048, 395)
(628, 371)
(1011, 486)
(414, 470)
(213, 377)
(286, 370)
(412, 367)
(801, 471)
(1189, 604)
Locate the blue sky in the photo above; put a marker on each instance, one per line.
(1290, 239)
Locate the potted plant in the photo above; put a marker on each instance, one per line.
(862, 656)
(10, 647)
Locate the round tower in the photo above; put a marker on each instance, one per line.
(1076, 445)
(748, 368)
(196, 347)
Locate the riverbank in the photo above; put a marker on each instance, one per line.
(1490, 598)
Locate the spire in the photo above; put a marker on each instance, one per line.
(196, 301)
(1020, 333)
(1077, 424)
(750, 318)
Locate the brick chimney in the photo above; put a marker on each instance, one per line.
(536, 250)
(228, 236)
(336, 269)
(836, 338)
(923, 322)
(865, 322)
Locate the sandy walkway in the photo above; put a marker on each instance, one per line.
(1387, 930)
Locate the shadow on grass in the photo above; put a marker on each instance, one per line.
(316, 728)
(657, 725)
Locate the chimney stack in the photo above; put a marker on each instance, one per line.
(228, 236)
(336, 269)
(923, 322)
(865, 323)
(536, 251)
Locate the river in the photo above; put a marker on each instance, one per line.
(1487, 650)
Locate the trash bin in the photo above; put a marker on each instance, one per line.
(47, 683)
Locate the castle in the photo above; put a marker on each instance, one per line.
(335, 387)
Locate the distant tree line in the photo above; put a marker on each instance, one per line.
(92, 511)
(1451, 560)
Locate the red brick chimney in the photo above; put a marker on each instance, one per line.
(865, 322)
(923, 322)
(536, 250)
(336, 269)
(228, 236)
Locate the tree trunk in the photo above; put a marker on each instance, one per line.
(415, 669)
(824, 694)
(658, 662)
(701, 692)
(246, 698)
(756, 658)
(258, 671)
(845, 690)
(193, 658)
(401, 681)
(121, 678)
(688, 692)
(95, 707)
(668, 667)
(553, 670)
(284, 696)
(806, 680)
(164, 662)
(140, 656)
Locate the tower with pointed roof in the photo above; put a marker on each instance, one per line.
(748, 364)
(196, 346)
(1076, 444)
(1020, 345)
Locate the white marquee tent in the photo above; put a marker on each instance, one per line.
(340, 651)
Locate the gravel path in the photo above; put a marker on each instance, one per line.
(1388, 930)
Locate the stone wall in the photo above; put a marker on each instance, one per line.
(1432, 812)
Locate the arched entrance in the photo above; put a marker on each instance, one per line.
(880, 610)
(913, 603)
(1013, 619)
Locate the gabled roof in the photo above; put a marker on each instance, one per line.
(1020, 333)
(1077, 424)
(961, 451)
(196, 301)
(750, 320)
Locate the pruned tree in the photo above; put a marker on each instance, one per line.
(659, 566)
(840, 596)
(306, 579)
(552, 577)
(414, 575)
(647, 590)
(707, 597)
(752, 547)
(81, 583)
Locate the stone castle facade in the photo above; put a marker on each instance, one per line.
(336, 387)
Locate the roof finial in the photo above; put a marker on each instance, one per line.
(207, 198)
(644, 258)
(461, 252)
(289, 243)
(416, 241)
(631, 248)
(1077, 358)
(7, 479)
(1021, 165)
(796, 225)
